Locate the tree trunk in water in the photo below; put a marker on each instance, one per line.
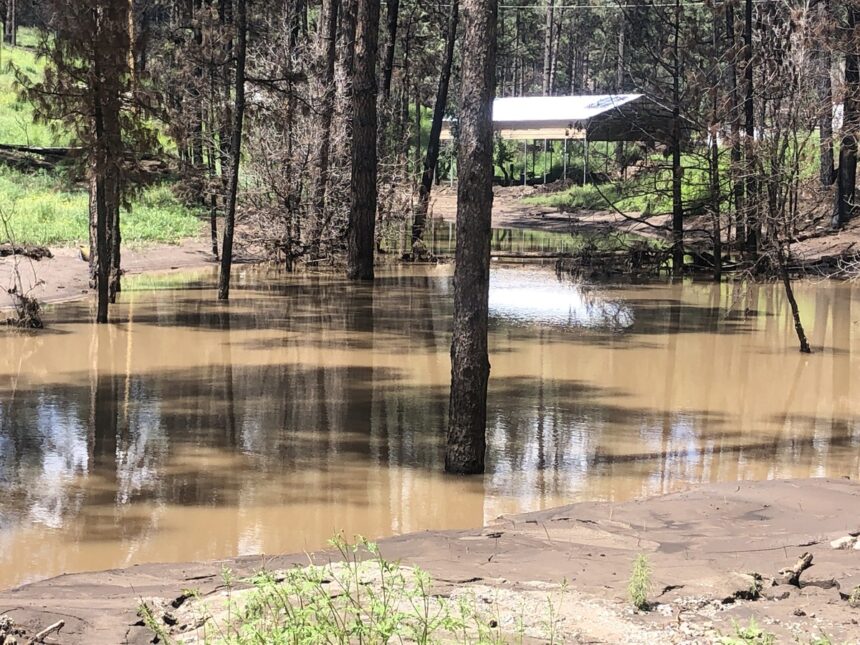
(847, 175)
(433, 145)
(547, 49)
(319, 173)
(789, 292)
(362, 212)
(393, 11)
(235, 150)
(102, 237)
(470, 366)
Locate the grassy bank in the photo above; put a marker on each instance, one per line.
(17, 125)
(42, 208)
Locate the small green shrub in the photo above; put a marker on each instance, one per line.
(640, 582)
(750, 634)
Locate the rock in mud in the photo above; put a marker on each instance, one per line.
(847, 542)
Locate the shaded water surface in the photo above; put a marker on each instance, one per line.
(192, 429)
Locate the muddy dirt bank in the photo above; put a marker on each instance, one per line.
(704, 547)
(65, 276)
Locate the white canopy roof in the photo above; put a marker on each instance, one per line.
(569, 109)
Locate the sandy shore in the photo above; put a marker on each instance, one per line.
(702, 546)
(64, 277)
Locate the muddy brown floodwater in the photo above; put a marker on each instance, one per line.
(192, 429)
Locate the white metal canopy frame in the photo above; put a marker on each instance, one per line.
(598, 117)
(585, 118)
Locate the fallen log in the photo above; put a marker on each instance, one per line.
(27, 251)
(791, 575)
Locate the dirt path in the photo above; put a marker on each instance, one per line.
(701, 545)
(509, 211)
(64, 277)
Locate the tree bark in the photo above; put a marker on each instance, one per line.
(470, 366)
(547, 49)
(847, 175)
(824, 87)
(235, 150)
(10, 31)
(753, 226)
(735, 116)
(391, 17)
(677, 169)
(327, 40)
(433, 144)
(362, 213)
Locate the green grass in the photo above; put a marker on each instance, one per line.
(16, 117)
(43, 209)
(363, 599)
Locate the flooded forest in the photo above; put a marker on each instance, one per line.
(461, 321)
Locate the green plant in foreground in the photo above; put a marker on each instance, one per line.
(640, 582)
(750, 634)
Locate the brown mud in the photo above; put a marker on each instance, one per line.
(65, 277)
(702, 545)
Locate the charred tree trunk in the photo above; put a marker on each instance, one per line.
(677, 169)
(235, 150)
(753, 226)
(319, 173)
(847, 175)
(433, 145)
(362, 213)
(824, 87)
(391, 17)
(735, 118)
(715, 158)
(470, 366)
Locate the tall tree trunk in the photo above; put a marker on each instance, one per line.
(715, 155)
(10, 33)
(362, 213)
(470, 366)
(619, 84)
(753, 225)
(735, 119)
(391, 17)
(847, 175)
(824, 87)
(235, 149)
(547, 49)
(677, 169)
(433, 145)
(326, 42)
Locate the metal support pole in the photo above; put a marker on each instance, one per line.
(564, 172)
(525, 161)
(544, 161)
(585, 160)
